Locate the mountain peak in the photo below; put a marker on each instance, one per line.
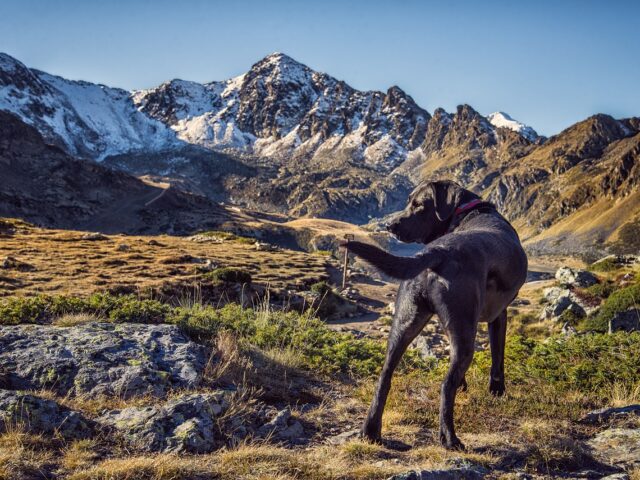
(9, 64)
(504, 120)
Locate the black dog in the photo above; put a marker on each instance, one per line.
(470, 271)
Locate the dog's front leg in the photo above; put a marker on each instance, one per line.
(408, 321)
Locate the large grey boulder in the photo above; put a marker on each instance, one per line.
(617, 446)
(100, 358)
(575, 277)
(627, 321)
(40, 415)
(184, 424)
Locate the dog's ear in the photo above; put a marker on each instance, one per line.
(445, 198)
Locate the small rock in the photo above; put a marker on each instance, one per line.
(391, 308)
(575, 277)
(467, 473)
(95, 236)
(568, 330)
(627, 321)
(423, 345)
(123, 247)
(8, 262)
(40, 415)
(264, 247)
(282, 427)
(343, 437)
(200, 238)
(605, 414)
(208, 265)
(153, 243)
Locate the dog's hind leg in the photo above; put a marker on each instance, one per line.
(497, 338)
(462, 338)
(408, 321)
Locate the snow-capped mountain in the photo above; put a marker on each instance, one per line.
(279, 109)
(503, 120)
(86, 119)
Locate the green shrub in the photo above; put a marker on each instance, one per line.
(570, 317)
(320, 288)
(16, 310)
(619, 301)
(600, 290)
(129, 308)
(588, 363)
(593, 324)
(204, 323)
(229, 275)
(606, 265)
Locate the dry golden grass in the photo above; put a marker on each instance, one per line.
(23, 455)
(63, 263)
(623, 394)
(74, 319)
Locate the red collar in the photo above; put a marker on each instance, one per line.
(467, 206)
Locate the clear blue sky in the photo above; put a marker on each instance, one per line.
(548, 64)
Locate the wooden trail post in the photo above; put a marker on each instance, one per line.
(348, 237)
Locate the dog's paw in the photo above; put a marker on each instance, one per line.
(371, 434)
(496, 387)
(454, 444)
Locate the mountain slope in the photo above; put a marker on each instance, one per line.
(42, 184)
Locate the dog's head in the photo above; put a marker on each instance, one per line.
(429, 211)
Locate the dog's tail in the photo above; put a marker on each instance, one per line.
(400, 268)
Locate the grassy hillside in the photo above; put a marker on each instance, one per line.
(325, 376)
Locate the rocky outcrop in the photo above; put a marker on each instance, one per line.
(183, 424)
(611, 413)
(560, 300)
(101, 358)
(40, 415)
(575, 277)
(617, 446)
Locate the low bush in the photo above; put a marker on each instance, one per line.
(16, 310)
(229, 275)
(588, 363)
(43, 308)
(605, 265)
(600, 290)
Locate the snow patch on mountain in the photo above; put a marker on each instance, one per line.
(504, 120)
